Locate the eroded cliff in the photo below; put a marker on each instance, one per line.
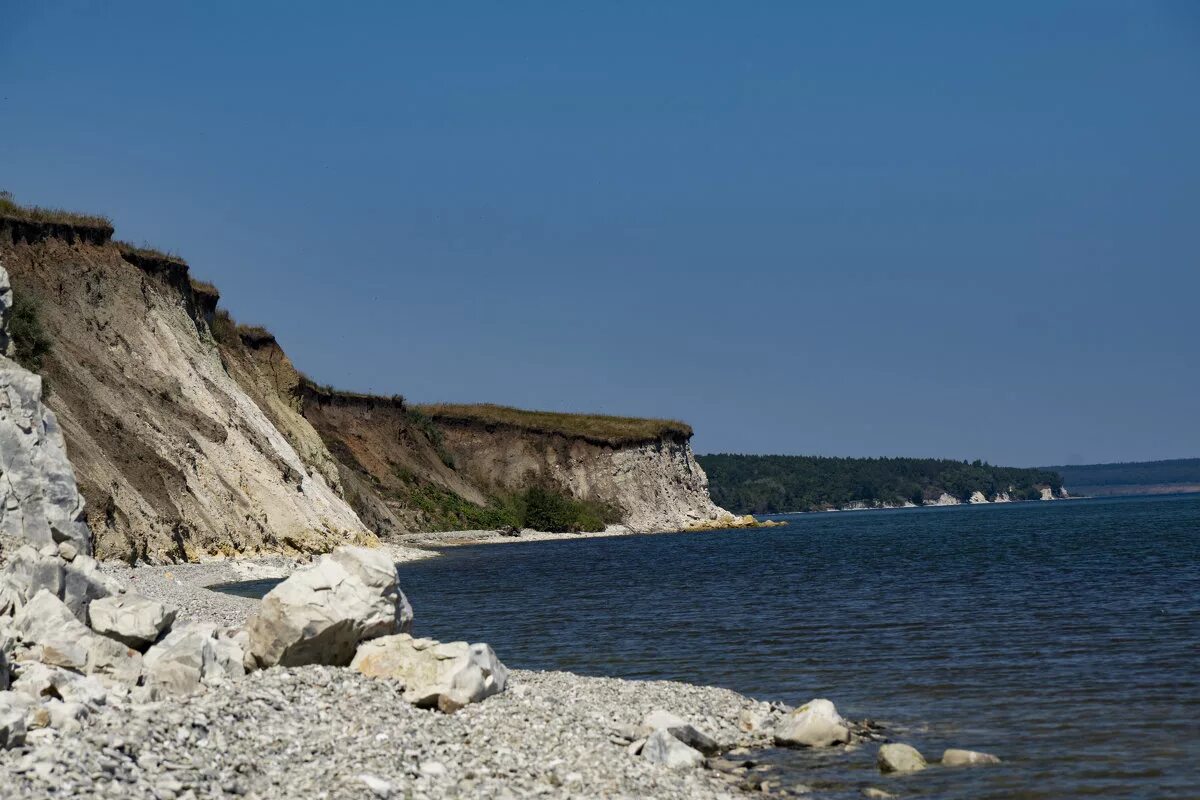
(192, 436)
(645, 471)
(175, 459)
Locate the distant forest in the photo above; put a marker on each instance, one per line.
(776, 484)
(1143, 473)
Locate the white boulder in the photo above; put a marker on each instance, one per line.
(814, 724)
(135, 620)
(897, 757)
(439, 675)
(663, 748)
(322, 612)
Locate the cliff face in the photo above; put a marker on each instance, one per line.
(192, 436)
(656, 484)
(174, 458)
(393, 468)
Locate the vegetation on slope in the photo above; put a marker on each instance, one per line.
(57, 216)
(536, 507)
(31, 343)
(593, 427)
(775, 484)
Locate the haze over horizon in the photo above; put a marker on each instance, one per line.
(925, 230)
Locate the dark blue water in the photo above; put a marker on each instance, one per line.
(1064, 637)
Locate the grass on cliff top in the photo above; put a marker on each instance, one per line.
(150, 253)
(11, 208)
(204, 287)
(596, 427)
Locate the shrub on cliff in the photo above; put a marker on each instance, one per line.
(30, 341)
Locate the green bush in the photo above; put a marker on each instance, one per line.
(537, 508)
(30, 342)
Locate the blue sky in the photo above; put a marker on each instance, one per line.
(946, 229)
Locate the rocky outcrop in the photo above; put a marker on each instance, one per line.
(176, 460)
(39, 501)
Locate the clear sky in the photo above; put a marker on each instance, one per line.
(952, 229)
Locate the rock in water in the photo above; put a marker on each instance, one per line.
(663, 748)
(961, 758)
(129, 618)
(321, 613)
(898, 757)
(681, 729)
(814, 724)
(435, 675)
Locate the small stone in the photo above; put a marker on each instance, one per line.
(961, 758)
(877, 794)
(433, 769)
(378, 786)
(899, 757)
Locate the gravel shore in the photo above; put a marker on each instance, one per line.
(323, 732)
(328, 732)
(184, 586)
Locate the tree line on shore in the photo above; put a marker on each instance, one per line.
(752, 484)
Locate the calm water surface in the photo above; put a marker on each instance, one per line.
(1064, 637)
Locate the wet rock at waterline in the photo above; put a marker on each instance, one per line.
(678, 727)
(814, 724)
(900, 758)
(954, 757)
(663, 748)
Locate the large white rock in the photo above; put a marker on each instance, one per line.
(39, 501)
(954, 757)
(135, 620)
(76, 582)
(681, 729)
(663, 748)
(192, 656)
(897, 757)
(814, 724)
(322, 612)
(435, 674)
(57, 638)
